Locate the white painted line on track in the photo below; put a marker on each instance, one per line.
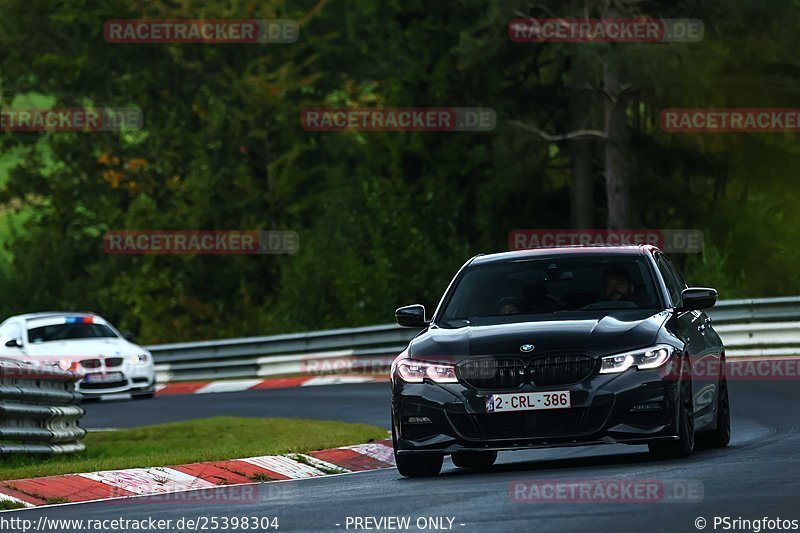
(113, 397)
(228, 386)
(380, 452)
(157, 480)
(319, 463)
(285, 466)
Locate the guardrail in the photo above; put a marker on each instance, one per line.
(295, 353)
(748, 327)
(756, 310)
(39, 410)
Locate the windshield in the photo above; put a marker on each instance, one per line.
(514, 290)
(64, 332)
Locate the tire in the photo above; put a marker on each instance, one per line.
(720, 436)
(146, 396)
(474, 459)
(418, 464)
(684, 446)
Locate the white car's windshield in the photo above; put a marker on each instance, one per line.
(63, 332)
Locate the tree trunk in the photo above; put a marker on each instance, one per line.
(581, 193)
(617, 151)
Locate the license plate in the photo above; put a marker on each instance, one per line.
(110, 377)
(528, 401)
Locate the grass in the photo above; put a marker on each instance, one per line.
(208, 439)
(321, 468)
(7, 505)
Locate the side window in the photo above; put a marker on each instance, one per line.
(10, 332)
(669, 279)
(681, 284)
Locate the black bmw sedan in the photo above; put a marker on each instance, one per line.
(559, 347)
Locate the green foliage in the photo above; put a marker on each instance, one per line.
(384, 218)
(7, 505)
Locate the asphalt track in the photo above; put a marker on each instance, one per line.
(366, 402)
(755, 477)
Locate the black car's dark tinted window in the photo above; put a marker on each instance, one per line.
(677, 275)
(552, 284)
(673, 285)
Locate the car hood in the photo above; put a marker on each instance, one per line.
(601, 333)
(80, 349)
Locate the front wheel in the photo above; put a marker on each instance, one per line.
(416, 464)
(90, 399)
(684, 446)
(145, 396)
(419, 465)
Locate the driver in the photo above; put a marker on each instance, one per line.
(509, 306)
(617, 284)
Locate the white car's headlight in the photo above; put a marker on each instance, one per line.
(66, 364)
(138, 359)
(643, 359)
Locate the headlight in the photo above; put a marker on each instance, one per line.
(66, 364)
(642, 359)
(138, 359)
(412, 371)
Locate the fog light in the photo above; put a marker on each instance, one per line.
(651, 406)
(418, 420)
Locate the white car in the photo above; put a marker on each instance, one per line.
(85, 343)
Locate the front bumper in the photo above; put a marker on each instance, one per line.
(135, 380)
(605, 409)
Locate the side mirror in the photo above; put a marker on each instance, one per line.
(698, 298)
(128, 335)
(14, 343)
(411, 316)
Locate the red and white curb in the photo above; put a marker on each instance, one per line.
(119, 484)
(239, 385)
